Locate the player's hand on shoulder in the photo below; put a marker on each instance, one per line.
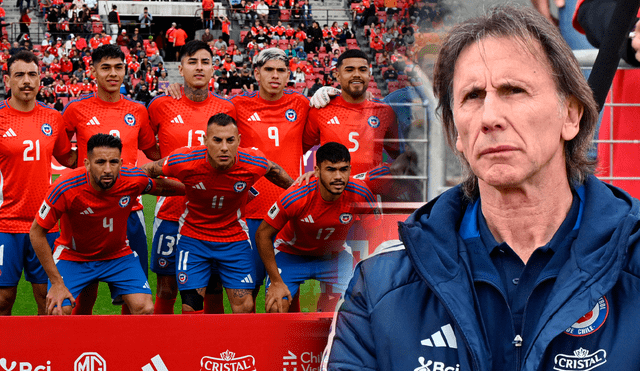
(274, 300)
(303, 179)
(323, 96)
(175, 90)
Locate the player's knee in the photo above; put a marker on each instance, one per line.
(191, 298)
(145, 307)
(167, 287)
(7, 298)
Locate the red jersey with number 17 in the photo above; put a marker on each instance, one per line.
(94, 223)
(215, 198)
(182, 123)
(275, 128)
(28, 141)
(309, 225)
(362, 128)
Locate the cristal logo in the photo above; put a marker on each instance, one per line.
(228, 362)
(580, 360)
(90, 361)
(434, 366)
(23, 366)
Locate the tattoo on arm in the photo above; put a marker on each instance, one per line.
(278, 176)
(153, 169)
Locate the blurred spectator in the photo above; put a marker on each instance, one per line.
(247, 80)
(314, 88)
(61, 89)
(219, 13)
(263, 11)
(47, 79)
(145, 20)
(25, 22)
(59, 105)
(298, 75)
(226, 28)
(306, 13)
(207, 9)
(220, 43)
(123, 39)
(207, 36)
(156, 59)
(169, 49)
(390, 74)
(48, 58)
(114, 21)
(180, 38)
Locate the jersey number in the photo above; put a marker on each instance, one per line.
(108, 223)
(352, 139)
(328, 230)
(170, 242)
(182, 260)
(199, 133)
(215, 203)
(1, 254)
(30, 146)
(272, 132)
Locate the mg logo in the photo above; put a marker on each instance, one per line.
(90, 361)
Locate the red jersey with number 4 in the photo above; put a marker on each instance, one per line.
(309, 225)
(361, 127)
(215, 198)
(29, 139)
(94, 223)
(182, 123)
(275, 128)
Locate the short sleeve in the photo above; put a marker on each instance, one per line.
(277, 216)
(311, 135)
(146, 137)
(62, 145)
(52, 208)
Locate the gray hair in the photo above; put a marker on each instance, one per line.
(271, 54)
(530, 29)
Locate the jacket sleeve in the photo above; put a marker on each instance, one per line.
(594, 16)
(351, 345)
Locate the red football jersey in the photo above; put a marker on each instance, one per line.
(126, 119)
(29, 139)
(215, 199)
(182, 123)
(94, 223)
(362, 128)
(275, 128)
(309, 225)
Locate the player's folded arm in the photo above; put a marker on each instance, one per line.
(154, 168)
(166, 187)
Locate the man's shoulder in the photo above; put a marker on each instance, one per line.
(67, 183)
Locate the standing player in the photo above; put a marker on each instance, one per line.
(108, 112)
(93, 205)
(31, 133)
(364, 127)
(311, 223)
(213, 232)
(181, 123)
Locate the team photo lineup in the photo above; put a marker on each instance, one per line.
(231, 214)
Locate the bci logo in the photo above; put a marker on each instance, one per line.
(90, 361)
(23, 366)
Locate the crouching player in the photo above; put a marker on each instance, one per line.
(213, 233)
(93, 205)
(311, 223)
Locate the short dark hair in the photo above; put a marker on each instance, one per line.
(103, 140)
(192, 47)
(332, 152)
(25, 56)
(352, 53)
(221, 119)
(106, 51)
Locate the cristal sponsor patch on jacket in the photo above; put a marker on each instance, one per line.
(580, 360)
(592, 321)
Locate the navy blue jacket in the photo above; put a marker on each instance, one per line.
(429, 303)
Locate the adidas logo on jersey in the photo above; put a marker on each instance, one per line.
(308, 219)
(93, 121)
(437, 340)
(10, 133)
(177, 120)
(333, 121)
(254, 117)
(247, 279)
(87, 211)
(146, 285)
(199, 186)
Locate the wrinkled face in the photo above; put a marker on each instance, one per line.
(222, 145)
(353, 75)
(196, 69)
(24, 80)
(511, 123)
(272, 77)
(333, 176)
(109, 74)
(103, 165)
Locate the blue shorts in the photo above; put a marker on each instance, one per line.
(164, 246)
(123, 275)
(137, 236)
(332, 269)
(17, 254)
(261, 272)
(197, 260)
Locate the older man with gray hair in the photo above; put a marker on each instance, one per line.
(529, 264)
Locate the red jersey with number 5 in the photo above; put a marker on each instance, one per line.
(182, 123)
(28, 141)
(215, 198)
(364, 128)
(94, 223)
(309, 225)
(275, 128)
